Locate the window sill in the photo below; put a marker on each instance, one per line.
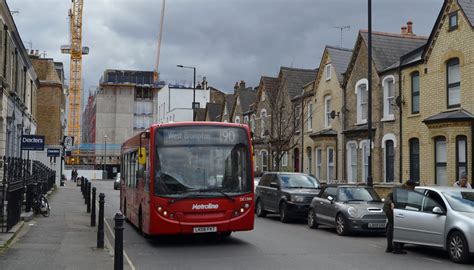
(414, 115)
(363, 122)
(452, 28)
(453, 108)
(389, 118)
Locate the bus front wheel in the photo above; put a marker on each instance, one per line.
(140, 224)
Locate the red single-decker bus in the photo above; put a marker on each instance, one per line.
(191, 177)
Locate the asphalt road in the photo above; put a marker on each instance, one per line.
(271, 245)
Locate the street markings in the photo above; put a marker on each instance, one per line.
(129, 261)
(124, 253)
(433, 260)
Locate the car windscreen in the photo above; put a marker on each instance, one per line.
(357, 194)
(298, 181)
(461, 201)
(204, 158)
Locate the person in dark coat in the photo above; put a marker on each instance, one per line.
(388, 207)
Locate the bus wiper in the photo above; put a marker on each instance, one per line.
(218, 191)
(186, 196)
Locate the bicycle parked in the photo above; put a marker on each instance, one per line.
(40, 203)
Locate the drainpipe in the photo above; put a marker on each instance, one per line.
(472, 153)
(302, 134)
(400, 142)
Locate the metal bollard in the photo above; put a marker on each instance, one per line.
(100, 229)
(82, 187)
(93, 217)
(118, 253)
(85, 191)
(88, 197)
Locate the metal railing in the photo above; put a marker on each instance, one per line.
(19, 178)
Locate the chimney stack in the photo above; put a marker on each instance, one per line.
(242, 85)
(204, 83)
(410, 28)
(236, 87)
(404, 30)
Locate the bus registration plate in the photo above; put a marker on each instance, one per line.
(204, 229)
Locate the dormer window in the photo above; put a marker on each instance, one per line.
(453, 21)
(328, 72)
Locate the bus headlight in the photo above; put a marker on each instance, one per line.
(164, 213)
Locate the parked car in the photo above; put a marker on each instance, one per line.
(287, 194)
(117, 181)
(348, 208)
(256, 180)
(435, 216)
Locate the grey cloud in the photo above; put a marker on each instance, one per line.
(227, 40)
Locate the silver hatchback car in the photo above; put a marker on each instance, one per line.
(436, 216)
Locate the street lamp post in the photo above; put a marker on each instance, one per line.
(194, 90)
(104, 169)
(369, 77)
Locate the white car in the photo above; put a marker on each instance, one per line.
(435, 216)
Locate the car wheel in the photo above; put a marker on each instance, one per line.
(259, 209)
(284, 213)
(341, 225)
(312, 223)
(457, 248)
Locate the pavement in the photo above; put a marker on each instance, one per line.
(64, 240)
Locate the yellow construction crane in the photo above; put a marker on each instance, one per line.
(156, 74)
(76, 51)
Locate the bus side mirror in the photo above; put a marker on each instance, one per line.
(142, 156)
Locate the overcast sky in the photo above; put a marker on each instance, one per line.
(227, 40)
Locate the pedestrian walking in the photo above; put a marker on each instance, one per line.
(462, 182)
(388, 207)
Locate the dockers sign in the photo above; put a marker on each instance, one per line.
(32, 142)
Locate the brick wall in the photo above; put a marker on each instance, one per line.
(433, 98)
(382, 127)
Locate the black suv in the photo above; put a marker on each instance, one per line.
(288, 194)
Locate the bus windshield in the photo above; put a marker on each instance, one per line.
(202, 159)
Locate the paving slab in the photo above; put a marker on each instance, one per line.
(64, 240)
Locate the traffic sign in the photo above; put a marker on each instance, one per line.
(53, 152)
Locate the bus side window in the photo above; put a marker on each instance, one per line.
(146, 173)
(134, 170)
(129, 170)
(124, 172)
